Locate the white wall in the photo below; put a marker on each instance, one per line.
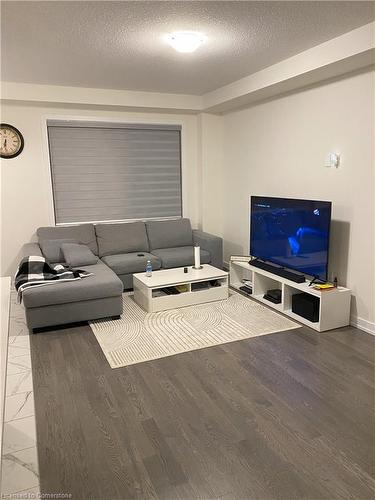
(210, 133)
(26, 183)
(278, 148)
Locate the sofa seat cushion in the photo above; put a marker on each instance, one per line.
(103, 283)
(169, 233)
(127, 237)
(129, 263)
(180, 256)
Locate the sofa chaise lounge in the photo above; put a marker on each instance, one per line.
(117, 252)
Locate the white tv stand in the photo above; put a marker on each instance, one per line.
(334, 310)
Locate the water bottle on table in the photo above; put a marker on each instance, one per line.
(149, 269)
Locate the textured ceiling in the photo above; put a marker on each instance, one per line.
(119, 45)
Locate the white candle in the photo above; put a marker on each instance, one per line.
(197, 257)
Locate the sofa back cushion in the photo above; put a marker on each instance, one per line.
(120, 238)
(52, 249)
(83, 233)
(169, 233)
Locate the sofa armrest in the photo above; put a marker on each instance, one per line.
(212, 244)
(30, 249)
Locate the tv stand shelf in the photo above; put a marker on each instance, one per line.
(334, 305)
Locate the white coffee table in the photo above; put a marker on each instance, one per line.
(196, 287)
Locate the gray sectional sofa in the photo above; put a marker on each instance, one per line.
(117, 251)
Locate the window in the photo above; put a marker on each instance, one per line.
(110, 172)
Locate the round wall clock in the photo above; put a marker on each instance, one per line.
(11, 141)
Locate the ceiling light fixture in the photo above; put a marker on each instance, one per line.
(185, 41)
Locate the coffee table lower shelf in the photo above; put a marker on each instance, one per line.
(198, 291)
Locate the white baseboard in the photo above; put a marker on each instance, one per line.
(363, 324)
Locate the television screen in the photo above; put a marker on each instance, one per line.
(291, 233)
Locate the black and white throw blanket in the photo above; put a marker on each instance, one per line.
(36, 271)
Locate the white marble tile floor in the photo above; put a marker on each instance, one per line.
(20, 473)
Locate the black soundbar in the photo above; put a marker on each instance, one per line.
(279, 271)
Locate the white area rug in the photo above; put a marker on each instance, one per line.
(140, 336)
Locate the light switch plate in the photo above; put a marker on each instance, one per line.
(333, 160)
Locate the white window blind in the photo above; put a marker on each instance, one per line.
(108, 171)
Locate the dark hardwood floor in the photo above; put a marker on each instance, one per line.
(283, 416)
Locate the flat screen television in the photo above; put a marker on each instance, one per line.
(291, 233)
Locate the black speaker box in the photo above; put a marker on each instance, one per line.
(306, 305)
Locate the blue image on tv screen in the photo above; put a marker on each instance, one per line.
(291, 233)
